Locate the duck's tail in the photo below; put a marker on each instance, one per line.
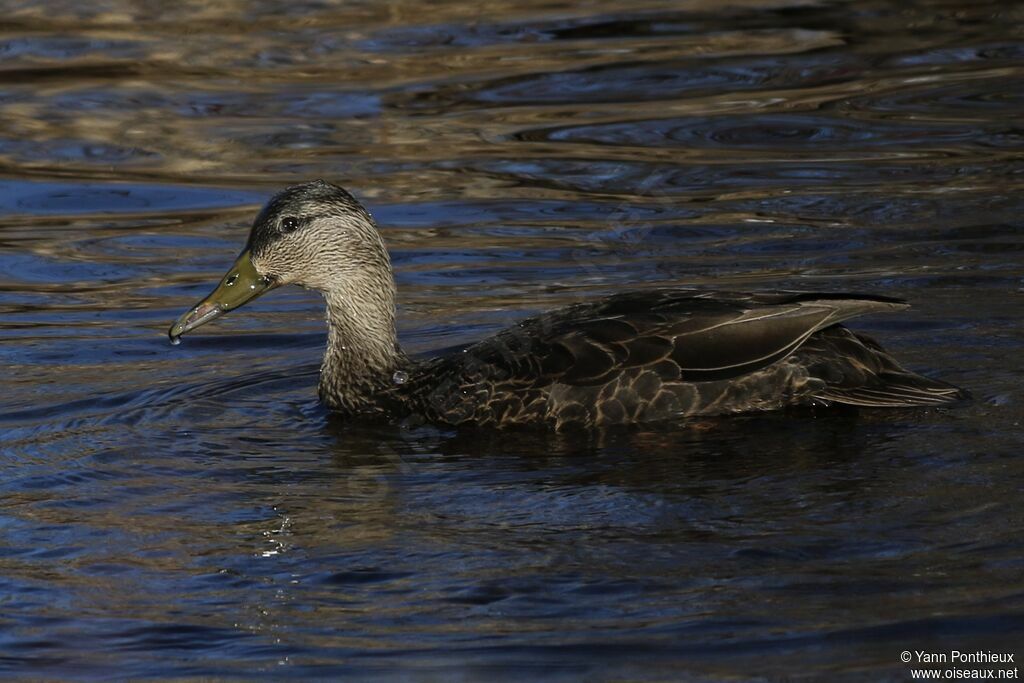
(902, 390)
(857, 371)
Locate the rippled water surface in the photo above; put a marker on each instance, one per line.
(192, 511)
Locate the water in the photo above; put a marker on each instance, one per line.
(192, 511)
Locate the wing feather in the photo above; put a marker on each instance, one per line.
(707, 337)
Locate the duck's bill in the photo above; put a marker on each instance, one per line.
(240, 285)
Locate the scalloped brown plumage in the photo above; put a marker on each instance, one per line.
(667, 354)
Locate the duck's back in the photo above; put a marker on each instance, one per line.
(666, 354)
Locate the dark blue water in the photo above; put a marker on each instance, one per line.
(192, 511)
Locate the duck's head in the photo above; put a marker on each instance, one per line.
(315, 235)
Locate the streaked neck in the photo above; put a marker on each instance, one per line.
(362, 348)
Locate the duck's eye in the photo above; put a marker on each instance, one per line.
(289, 224)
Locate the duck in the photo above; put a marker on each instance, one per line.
(664, 355)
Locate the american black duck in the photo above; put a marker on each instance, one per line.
(657, 355)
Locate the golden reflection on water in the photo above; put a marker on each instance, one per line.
(361, 92)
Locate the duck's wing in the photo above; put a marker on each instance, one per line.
(663, 338)
(696, 337)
